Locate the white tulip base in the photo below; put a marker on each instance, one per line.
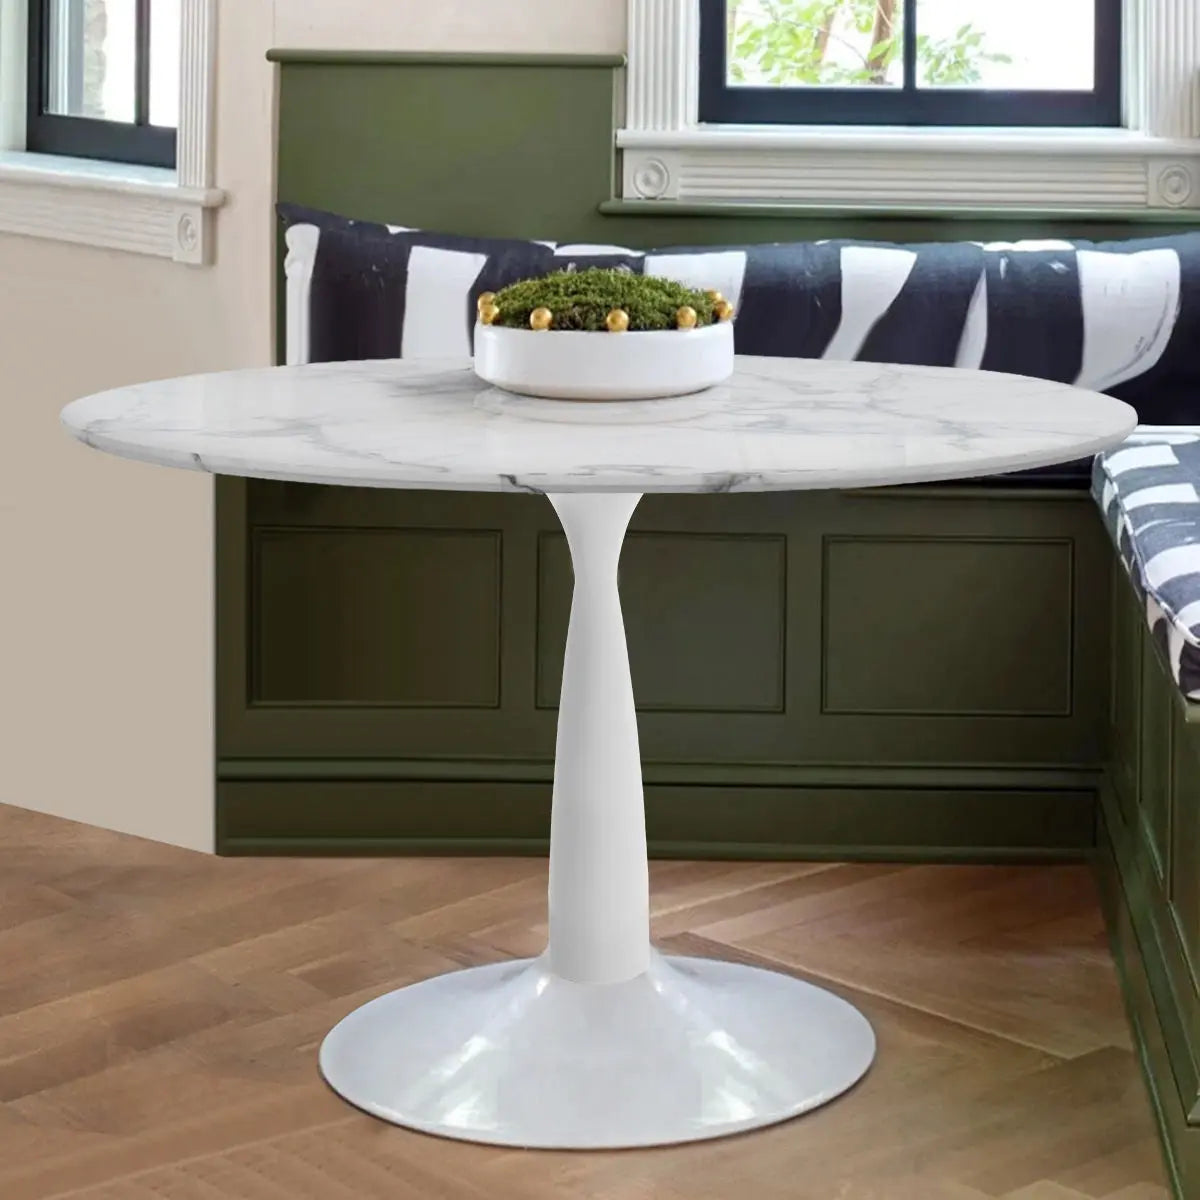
(599, 1043)
(513, 1055)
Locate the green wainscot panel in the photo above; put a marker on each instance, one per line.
(706, 620)
(375, 616)
(735, 649)
(1155, 798)
(521, 149)
(1154, 834)
(999, 612)
(834, 629)
(1136, 963)
(1183, 887)
(524, 147)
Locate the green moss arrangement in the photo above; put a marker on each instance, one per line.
(584, 299)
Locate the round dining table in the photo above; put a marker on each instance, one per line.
(600, 1041)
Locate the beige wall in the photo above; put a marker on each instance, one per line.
(106, 661)
(106, 576)
(575, 26)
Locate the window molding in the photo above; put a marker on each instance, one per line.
(144, 210)
(667, 155)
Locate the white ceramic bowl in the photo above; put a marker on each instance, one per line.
(574, 365)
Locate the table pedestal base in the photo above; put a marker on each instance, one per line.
(513, 1055)
(599, 1043)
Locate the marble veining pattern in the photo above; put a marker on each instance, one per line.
(778, 424)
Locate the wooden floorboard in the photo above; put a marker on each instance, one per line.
(160, 1013)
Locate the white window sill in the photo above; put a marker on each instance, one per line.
(143, 210)
(1113, 170)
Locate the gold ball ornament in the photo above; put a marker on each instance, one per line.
(540, 319)
(723, 310)
(685, 317)
(486, 300)
(617, 320)
(488, 313)
(714, 295)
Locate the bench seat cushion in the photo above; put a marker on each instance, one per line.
(1149, 492)
(1117, 317)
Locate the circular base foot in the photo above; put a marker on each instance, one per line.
(512, 1055)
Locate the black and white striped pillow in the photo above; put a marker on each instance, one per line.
(1119, 317)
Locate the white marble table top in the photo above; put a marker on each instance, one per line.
(779, 424)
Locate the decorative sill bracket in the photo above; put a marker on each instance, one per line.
(139, 209)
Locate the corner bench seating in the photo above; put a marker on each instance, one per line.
(1024, 691)
(1119, 317)
(387, 662)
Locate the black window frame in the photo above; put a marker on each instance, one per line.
(722, 103)
(87, 137)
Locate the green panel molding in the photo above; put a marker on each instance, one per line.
(748, 774)
(375, 616)
(686, 593)
(356, 816)
(793, 688)
(1000, 651)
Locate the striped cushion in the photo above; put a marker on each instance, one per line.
(1149, 492)
(1121, 317)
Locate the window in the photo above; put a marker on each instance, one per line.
(107, 124)
(797, 105)
(911, 62)
(104, 79)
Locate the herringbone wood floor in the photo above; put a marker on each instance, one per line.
(160, 1013)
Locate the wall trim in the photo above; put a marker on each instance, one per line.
(662, 83)
(443, 58)
(1162, 67)
(500, 816)
(881, 775)
(860, 212)
(1176, 1138)
(237, 846)
(194, 154)
(1154, 954)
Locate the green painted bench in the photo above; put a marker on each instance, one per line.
(426, 723)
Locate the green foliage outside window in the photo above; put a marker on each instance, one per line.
(793, 42)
